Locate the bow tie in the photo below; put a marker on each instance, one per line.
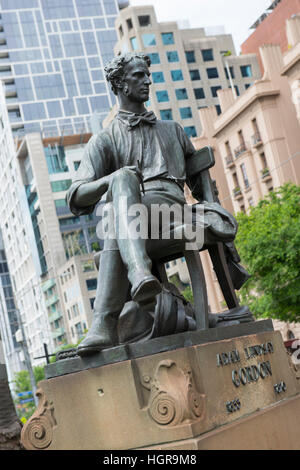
(136, 119)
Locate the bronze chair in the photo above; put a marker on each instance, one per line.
(199, 179)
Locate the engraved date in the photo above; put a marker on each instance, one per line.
(280, 387)
(233, 405)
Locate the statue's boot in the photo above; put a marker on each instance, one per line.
(111, 295)
(125, 192)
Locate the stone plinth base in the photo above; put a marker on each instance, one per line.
(232, 388)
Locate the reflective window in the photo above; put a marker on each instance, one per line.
(149, 39)
(162, 96)
(214, 90)
(185, 113)
(99, 23)
(60, 203)
(90, 43)
(94, 62)
(100, 88)
(89, 8)
(199, 93)
(56, 159)
(65, 25)
(24, 87)
(54, 109)
(49, 86)
(69, 221)
(107, 40)
(97, 75)
(56, 47)
(73, 45)
(181, 94)
(218, 109)
(190, 56)
(21, 69)
(176, 75)
(37, 67)
(69, 107)
(167, 38)
(82, 106)
(83, 77)
(99, 103)
(212, 72)
(246, 70)
(86, 24)
(62, 185)
(29, 28)
(158, 77)
(56, 9)
(172, 56)
(195, 74)
(33, 111)
(154, 57)
(166, 114)
(190, 131)
(207, 55)
(109, 6)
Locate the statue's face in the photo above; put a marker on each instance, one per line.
(136, 81)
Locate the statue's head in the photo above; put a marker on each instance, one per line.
(129, 76)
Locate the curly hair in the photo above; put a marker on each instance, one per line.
(114, 70)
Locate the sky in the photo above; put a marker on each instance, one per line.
(235, 15)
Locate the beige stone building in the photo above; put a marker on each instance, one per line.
(188, 65)
(291, 60)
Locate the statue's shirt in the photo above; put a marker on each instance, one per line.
(159, 149)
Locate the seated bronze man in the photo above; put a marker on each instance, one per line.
(144, 159)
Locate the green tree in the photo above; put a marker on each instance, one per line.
(22, 384)
(268, 241)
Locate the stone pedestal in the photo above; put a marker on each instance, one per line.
(231, 387)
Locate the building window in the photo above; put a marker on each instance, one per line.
(199, 93)
(158, 77)
(172, 56)
(91, 284)
(162, 96)
(190, 131)
(69, 221)
(121, 31)
(207, 55)
(237, 90)
(195, 74)
(218, 109)
(190, 56)
(247, 85)
(60, 203)
(246, 70)
(244, 173)
(56, 159)
(129, 24)
(134, 43)
(149, 39)
(231, 71)
(181, 94)
(144, 20)
(167, 38)
(166, 114)
(185, 113)
(176, 75)
(154, 57)
(62, 185)
(88, 265)
(214, 90)
(212, 72)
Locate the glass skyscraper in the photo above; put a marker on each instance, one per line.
(52, 54)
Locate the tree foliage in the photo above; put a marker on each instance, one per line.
(23, 384)
(268, 242)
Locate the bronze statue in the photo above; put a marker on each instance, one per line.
(144, 159)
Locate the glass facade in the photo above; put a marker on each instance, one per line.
(56, 50)
(181, 94)
(190, 56)
(149, 39)
(154, 57)
(185, 113)
(199, 93)
(166, 114)
(195, 74)
(212, 72)
(207, 55)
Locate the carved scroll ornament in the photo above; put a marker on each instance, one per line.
(173, 399)
(37, 433)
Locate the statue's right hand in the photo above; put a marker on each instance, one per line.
(106, 180)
